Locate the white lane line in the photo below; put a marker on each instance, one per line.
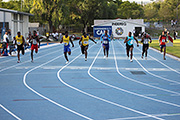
(66, 108)
(26, 61)
(133, 93)
(101, 99)
(162, 89)
(29, 51)
(140, 117)
(160, 77)
(162, 62)
(15, 116)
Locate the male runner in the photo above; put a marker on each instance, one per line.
(130, 41)
(105, 38)
(65, 39)
(85, 43)
(145, 40)
(162, 43)
(34, 40)
(20, 45)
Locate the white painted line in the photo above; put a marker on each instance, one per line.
(171, 56)
(176, 58)
(93, 96)
(10, 112)
(5, 61)
(133, 93)
(162, 89)
(160, 77)
(24, 81)
(140, 117)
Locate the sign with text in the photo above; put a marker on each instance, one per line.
(99, 30)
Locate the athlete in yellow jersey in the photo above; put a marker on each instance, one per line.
(65, 39)
(84, 43)
(20, 45)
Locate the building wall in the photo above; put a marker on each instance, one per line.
(16, 22)
(123, 29)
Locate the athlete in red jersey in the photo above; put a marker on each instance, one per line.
(162, 42)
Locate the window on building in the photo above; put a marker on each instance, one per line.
(15, 16)
(21, 17)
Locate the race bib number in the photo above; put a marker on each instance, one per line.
(105, 42)
(19, 43)
(131, 42)
(163, 40)
(65, 44)
(105, 37)
(34, 42)
(85, 42)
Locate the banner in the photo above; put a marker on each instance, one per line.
(99, 30)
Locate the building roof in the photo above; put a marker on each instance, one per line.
(133, 21)
(16, 12)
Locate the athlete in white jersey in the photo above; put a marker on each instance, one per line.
(145, 40)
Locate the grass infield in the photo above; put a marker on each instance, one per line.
(175, 50)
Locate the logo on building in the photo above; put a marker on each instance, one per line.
(119, 31)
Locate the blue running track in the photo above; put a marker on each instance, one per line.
(98, 89)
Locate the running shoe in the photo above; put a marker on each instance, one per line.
(18, 61)
(131, 60)
(145, 58)
(32, 61)
(85, 59)
(142, 57)
(104, 57)
(67, 62)
(164, 58)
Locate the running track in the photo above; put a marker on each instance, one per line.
(98, 89)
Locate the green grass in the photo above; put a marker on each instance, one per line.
(175, 50)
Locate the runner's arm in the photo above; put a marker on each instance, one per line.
(142, 39)
(125, 41)
(150, 39)
(71, 42)
(92, 40)
(61, 40)
(80, 41)
(159, 39)
(38, 41)
(136, 41)
(23, 40)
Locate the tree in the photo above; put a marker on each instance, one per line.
(130, 10)
(48, 10)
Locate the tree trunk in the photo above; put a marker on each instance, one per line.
(50, 25)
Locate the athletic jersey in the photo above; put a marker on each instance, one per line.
(66, 40)
(146, 40)
(34, 40)
(163, 40)
(85, 40)
(131, 41)
(105, 39)
(19, 40)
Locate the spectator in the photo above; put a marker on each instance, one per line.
(174, 35)
(13, 46)
(5, 41)
(172, 23)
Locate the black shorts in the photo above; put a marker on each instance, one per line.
(83, 48)
(145, 46)
(129, 46)
(20, 48)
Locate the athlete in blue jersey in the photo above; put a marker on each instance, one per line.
(105, 39)
(129, 40)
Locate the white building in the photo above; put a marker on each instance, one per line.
(15, 21)
(119, 27)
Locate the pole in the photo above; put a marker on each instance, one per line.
(3, 29)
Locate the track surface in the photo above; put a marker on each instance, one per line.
(97, 89)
